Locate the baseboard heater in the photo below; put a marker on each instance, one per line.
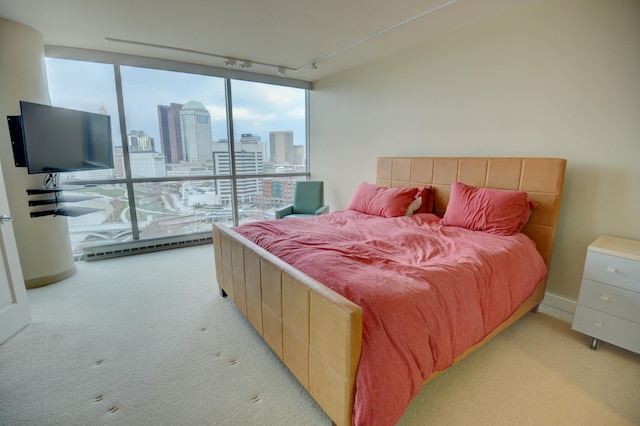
(104, 251)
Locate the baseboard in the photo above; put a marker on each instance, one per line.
(103, 251)
(560, 302)
(49, 279)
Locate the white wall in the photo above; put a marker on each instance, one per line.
(43, 243)
(561, 79)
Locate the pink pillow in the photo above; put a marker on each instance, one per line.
(381, 201)
(426, 192)
(495, 211)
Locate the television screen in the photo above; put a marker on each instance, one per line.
(64, 140)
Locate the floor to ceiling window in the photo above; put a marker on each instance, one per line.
(174, 170)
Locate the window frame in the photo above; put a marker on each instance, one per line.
(118, 60)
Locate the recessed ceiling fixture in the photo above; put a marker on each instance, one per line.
(281, 69)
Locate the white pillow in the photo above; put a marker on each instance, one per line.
(415, 205)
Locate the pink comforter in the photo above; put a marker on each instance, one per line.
(427, 291)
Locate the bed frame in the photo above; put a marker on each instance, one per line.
(315, 331)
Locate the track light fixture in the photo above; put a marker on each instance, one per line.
(228, 61)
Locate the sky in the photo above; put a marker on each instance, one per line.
(257, 108)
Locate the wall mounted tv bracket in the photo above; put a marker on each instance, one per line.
(17, 140)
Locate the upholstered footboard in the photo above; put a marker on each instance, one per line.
(316, 332)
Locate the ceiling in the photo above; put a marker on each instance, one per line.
(334, 34)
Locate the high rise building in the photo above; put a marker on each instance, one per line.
(251, 137)
(281, 147)
(147, 164)
(298, 155)
(140, 142)
(195, 123)
(249, 155)
(170, 133)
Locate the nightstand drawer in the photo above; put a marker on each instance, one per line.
(617, 331)
(612, 300)
(612, 270)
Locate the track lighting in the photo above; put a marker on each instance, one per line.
(228, 61)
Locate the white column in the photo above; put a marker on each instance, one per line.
(43, 243)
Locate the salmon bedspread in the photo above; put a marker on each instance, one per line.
(427, 291)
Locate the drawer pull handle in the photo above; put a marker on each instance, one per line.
(611, 269)
(604, 297)
(597, 324)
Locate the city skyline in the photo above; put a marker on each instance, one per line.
(169, 143)
(257, 108)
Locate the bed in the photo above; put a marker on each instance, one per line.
(318, 331)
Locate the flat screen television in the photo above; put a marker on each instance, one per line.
(64, 140)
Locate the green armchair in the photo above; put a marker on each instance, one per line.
(308, 200)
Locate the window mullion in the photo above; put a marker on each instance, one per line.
(135, 230)
(232, 152)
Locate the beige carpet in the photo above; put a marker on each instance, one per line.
(147, 340)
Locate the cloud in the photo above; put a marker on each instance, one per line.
(297, 113)
(283, 96)
(250, 114)
(218, 113)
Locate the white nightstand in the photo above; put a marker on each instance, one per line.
(609, 301)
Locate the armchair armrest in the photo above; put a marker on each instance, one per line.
(322, 210)
(284, 211)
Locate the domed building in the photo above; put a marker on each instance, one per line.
(196, 132)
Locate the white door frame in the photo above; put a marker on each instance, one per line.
(14, 307)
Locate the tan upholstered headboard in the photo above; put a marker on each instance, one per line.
(541, 178)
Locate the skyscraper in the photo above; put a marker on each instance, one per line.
(251, 137)
(140, 142)
(298, 155)
(195, 122)
(249, 155)
(281, 147)
(170, 133)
